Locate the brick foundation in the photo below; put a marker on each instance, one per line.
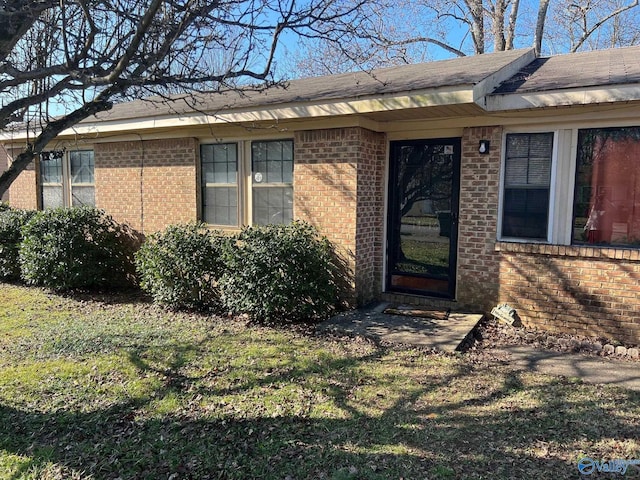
(588, 291)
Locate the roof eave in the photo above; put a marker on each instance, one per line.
(563, 98)
(484, 88)
(457, 95)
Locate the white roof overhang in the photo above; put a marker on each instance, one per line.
(563, 97)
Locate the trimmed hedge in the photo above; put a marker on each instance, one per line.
(73, 248)
(281, 273)
(11, 223)
(274, 273)
(180, 267)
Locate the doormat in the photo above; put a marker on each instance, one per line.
(412, 311)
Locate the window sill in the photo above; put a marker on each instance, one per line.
(226, 229)
(581, 251)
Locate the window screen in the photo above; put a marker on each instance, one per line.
(527, 177)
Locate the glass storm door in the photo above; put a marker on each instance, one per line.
(422, 230)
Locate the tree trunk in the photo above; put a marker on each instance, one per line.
(511, 27)
(499, 10)
(542, 16)
(477, 24)
(19, 164)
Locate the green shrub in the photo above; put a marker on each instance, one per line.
(181, 266)
(71, 248)
(282, 273)
(4, 207)
(11, 223)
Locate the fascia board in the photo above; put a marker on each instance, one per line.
(563, 98)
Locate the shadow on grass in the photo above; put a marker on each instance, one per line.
(122, 296)
(485, 433)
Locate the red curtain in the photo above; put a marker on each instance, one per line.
(614, 208)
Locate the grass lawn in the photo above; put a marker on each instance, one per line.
(424, 256)
(120, 389)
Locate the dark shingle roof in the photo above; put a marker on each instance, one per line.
(444, 73)
(571, 71)
(578, 70)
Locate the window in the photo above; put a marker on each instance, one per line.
(82, 183)
(527, 179)
(606, 207)
(265, 197)
(67, 179)
(220, 183)
(272, 178)
(51, 177)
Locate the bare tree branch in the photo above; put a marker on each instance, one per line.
(476, 11)
(460, 27)
(53, 129)
(16, 18)
(588, 31)
(434, 41)
(75, 57)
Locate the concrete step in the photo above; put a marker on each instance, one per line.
(445, 334)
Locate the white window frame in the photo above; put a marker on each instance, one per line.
(563, 175)
(244, 176)
(43, 185)
(552, 232)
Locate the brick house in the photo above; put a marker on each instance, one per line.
(467, 182)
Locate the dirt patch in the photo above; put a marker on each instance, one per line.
(491, 334)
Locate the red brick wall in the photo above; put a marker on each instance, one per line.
(587, 291)
(478, 263)
(147, 184)
(339, 188)
(118, 169)
(370, 215)
(23, 192)
(583, 290)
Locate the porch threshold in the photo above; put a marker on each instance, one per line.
(442, 332)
